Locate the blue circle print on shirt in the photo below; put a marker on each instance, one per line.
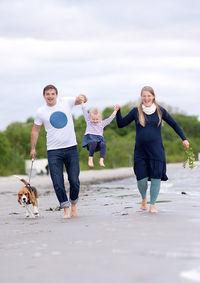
(58, 120)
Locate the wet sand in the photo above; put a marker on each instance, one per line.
(110, 241)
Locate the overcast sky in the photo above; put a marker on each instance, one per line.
(105, 49)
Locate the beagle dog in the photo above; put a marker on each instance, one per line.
(29, 195)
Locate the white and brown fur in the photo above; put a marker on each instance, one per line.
(27, 196)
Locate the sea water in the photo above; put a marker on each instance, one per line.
(180, 180)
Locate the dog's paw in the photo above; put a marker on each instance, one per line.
(30, 216)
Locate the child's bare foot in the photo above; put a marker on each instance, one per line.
(101, 162)
(74, 212)
(90, 161)
(152, 209)
(144, 204)
(67, 214)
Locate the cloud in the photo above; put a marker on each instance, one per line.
(54, 19)
(106, 49)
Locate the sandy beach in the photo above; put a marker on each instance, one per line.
(110, 241)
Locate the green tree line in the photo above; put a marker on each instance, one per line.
(15, 142)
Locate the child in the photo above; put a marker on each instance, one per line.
(93, 138)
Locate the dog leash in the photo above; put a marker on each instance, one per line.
(29, 181)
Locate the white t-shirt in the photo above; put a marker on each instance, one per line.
(58, 123)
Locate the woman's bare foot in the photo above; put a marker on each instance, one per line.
(90, 161)
(152, 209)
(67, 214)
(144, 204)
(101, 162)
(74, 212)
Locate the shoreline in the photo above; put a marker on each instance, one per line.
(87, 177)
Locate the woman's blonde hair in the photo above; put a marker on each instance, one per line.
(141, 115)
(94, 111)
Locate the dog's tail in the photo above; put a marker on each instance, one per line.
(22, 180)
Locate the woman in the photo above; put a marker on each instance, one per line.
(149, 154)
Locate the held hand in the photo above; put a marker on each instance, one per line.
(117, 107)
(81, 98)
(33, 153)
(84, 98)
(186, 143)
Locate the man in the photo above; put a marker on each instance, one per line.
(61, 145)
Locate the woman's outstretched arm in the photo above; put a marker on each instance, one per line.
(168, 118)
(124, 121)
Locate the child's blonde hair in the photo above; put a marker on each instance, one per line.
(94, 111)
(140, 111)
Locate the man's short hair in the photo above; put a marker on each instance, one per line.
(50, 87)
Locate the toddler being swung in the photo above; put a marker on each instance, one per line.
(93, 138)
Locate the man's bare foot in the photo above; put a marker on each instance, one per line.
(74, 212)
(90, 161)
(152, 209)
(101, 162)
(67, 214)
(144, 204)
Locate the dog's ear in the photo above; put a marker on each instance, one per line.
(32, 199)
(19, 198)
(30, 196)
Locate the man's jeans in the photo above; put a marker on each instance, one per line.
(57, 159)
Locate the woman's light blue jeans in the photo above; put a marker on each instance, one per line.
(154, 189)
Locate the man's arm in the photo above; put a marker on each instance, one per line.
(34, 138)
(81, 98)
